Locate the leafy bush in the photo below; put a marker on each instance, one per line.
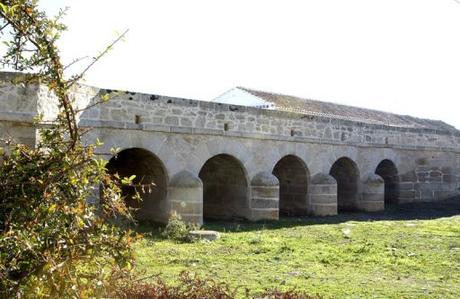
(176, 229)
(53, 242)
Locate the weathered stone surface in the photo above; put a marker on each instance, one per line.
(264, 179)
(324, 209)
(186, 179)
(185, 192)
(204, 235)
(323, 179)
(233, 162)
(374, 179)
(265, 196)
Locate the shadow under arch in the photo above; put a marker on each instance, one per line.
(151, 183)
(346, 173)
(294, 177)
(404, 211)
(225, 189)
(388, 171)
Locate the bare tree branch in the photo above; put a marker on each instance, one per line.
(97, 58)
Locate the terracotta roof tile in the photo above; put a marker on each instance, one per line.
(314, 107)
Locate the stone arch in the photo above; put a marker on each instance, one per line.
(293, 176)
(389, 173)
(151, 182)
(225, 188)
(212, 147)
(346, 173)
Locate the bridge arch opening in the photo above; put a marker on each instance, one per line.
(388, 171)
(150, 182)
(346, 173)
(293, 177)
(225, 189)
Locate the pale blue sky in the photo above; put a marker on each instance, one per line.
(401, 56)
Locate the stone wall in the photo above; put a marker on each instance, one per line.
(265, 197)
(158, 113)
(323, 195)
(185, 141)
(429, 183)
(131, 110)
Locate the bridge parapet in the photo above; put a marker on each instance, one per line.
(147, 112)
(184, 116)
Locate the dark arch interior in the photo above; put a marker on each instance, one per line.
(225, 189)
(293, 179)
(388, 171)
(346, 174)
(150, 181)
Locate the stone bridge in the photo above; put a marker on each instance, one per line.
(212, 160)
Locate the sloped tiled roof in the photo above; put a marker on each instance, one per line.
(319, 108)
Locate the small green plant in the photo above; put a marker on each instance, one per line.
(176, 229)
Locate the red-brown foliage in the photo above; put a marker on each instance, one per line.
(191, 286)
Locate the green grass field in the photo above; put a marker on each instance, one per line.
(347, 256)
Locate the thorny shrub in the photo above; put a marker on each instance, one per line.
(53, 242)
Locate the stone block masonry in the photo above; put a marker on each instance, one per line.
(221, 161)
